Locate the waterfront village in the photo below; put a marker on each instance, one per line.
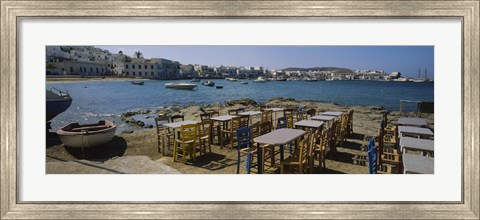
(90, 61)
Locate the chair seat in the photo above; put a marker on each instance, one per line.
(291, 161)
(186, 142)
(246, 151)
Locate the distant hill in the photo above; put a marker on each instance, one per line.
(316, 69)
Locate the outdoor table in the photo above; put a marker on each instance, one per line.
(325, 118)
(277, 137)
(309, 124)
(224, 119)
(336, 114)
(419, 122)
(275, 110)
(414, 131)
(250, 114)
(417, 164)
(423, 145)
(176, 125)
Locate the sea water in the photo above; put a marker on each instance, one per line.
(93, 101)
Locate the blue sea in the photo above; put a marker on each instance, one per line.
(104, 100)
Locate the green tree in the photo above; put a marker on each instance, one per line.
(138, 54)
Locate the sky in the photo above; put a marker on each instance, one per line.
(405, 59)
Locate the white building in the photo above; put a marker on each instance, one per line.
(152, 68)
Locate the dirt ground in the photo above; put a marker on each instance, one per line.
(366, 121)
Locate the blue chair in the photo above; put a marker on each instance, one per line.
(282, 122)
(240, 110)
(299, 109)
(372, 156)
(245, 152)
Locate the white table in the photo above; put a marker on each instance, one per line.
(277, 137)
(420, 122)
(275, 110)
(336, 114)
(418, 164)
(309, 124)
(250, 114)
(325, 118)
(414, 131)
(423, 145)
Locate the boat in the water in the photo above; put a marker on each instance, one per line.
(281, 79)
(260, 80)
(208, 83)
(244, 82)
(57, 102)
(419, 80)
(310, 80)
(140, 83)
(180, 85)
(88, 135)
(219, 87)
(401, 79)
(195, 80)
(231, 79)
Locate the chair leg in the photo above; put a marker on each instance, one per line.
(238, 162)
(175, 151)
(248, 162)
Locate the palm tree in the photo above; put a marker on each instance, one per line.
(138, 54)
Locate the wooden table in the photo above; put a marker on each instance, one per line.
(418, 164)
(326, 118)
(277, 137)
(336, 114)
(423, 145)
(224, 119)
(420, 122)
(414, 131)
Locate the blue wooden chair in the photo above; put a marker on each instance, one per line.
(281, 122)
(240, 110)
(245, 150)
(372, 156)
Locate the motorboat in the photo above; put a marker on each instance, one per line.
(260, 80)
(195, 80)
(180, 85)
(231, 79)
(57, 102)
(88, 135)
(219, 87)
(140, 83)
(281, 79)
(208, 83)
(244, 82)
(419, 80)
(401, 79)
(310, 80)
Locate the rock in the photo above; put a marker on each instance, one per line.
(149, 126)
(245, 102)
(127, 132)
(140, 123)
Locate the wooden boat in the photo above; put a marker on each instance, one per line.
(208, 83)
(180, 85)
(57, 103)
(140, 83)
(88, 135)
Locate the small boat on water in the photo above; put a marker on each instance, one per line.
(219, 87)
(311, 80)
(401, 79)
(195, 80)
(57, 102)
(180, 85)
(419, 80)
(231, 79)
(260, 80)
(87, 135)
(140, 83)
(281, 79)
(244, 82)
(208, 83)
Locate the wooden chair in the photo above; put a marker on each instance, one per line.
(281, 122)
(389, 129)
(320, 149)
(240, 110)
(176, 118)
(204, 130)
(289, 121)
(343, 130)
(161, 133)
(298, 116)
(350, 123)
(266, 116)
(246, 150)
(244, 121)
(214, 113)
(231, 132)
(232, 112)
(297, 163)
(186, 144)
(205, 117)
(263, 108)
(311, 112)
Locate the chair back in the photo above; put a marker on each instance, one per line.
(240, 110)
(232, 111)
(281, 122)
(255, 130)
(265, 127)
(214, 113)
(188, 132)
(204, 128)
(244, 121)
(311, 112)
(161, 120)
(344, 124)
(298, 116)
(290, 121)
(305, 147)
(177, 118)
(385, 119)
(205, 117)
(288, 111)
(263, 108)
(372, 157)
(350, 122)
(243, 138)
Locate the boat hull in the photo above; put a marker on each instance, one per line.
(180, 86)
(86, 138)
(56, 104)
